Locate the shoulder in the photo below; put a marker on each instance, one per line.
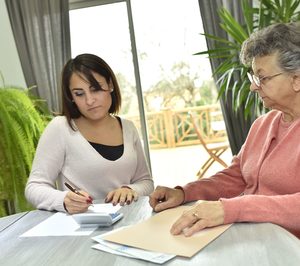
(267, 119)
(57, 124)
(58, 121)
(127, 123)
(129, 128)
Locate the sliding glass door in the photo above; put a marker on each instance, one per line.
(150, 46)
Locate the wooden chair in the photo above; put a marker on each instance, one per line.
(214, 150)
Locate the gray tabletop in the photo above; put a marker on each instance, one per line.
(7, 221)
(242, 244)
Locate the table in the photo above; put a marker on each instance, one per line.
(9, 220)
(242, 244)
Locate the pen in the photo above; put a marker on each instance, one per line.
(76, 191)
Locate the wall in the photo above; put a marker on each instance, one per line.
(10, 65)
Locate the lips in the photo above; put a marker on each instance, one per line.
(93, 108)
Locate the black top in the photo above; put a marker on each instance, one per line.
(111, 153)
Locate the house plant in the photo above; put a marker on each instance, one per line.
(21, 125)
(231, 74)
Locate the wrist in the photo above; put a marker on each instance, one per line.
(65, 207)
(181, 191)
(126, 187)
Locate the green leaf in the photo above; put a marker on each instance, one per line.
(230, 74)
(20, 128)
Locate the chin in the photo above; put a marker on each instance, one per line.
(94, 117)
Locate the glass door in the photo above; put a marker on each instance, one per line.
(150, 45)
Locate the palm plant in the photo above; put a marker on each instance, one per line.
(20, 128)
(231, 74)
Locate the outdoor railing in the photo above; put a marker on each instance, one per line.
(173, 128)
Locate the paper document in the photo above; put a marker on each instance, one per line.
(127, 251)
(104, 207)
(154, 234)
(62, 224)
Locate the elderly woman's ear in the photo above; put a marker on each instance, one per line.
(296, 82)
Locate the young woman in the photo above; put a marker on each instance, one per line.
(90, 148)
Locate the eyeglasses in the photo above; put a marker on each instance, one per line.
(259, 81)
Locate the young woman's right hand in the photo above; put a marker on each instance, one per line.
(75, 203)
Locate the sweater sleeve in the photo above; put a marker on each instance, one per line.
(41, 189)
(142, 181)
(226, 183)
(279, 209)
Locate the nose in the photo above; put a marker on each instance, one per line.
(254, 87)
(89, 99)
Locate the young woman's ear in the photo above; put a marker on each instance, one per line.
(111, 86)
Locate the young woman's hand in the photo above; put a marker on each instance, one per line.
(75, 203)
(203, 214)
(121, 195)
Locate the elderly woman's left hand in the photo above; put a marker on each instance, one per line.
(203, 214)
(121, 195)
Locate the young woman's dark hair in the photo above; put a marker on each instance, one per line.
(85, 65)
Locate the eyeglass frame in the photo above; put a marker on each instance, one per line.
(258, 81)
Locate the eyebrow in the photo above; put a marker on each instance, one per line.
(74, 89)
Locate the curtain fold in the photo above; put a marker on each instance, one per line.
(42, 36)
(236, 125)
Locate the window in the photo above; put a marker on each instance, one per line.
(150, 46)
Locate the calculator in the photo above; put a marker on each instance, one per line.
(92, 219)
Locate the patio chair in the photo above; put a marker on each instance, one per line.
(214, 150)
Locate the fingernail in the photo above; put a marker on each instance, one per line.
(88, 201)
(106, 200)
(91, 198)
(128, 202)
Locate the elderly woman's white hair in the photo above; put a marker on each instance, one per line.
(280, 38)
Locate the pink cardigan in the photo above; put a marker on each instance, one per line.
(263, 182)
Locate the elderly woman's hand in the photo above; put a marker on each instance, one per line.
(121, 195)
(164, 198)
(203, 214)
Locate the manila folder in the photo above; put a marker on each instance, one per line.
(154, 234)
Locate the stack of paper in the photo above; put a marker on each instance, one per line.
(130, 252)
(151, 239)
(154, 234)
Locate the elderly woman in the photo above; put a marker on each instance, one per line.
(263, 182)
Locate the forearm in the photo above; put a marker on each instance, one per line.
(280, 209)
(44, 196)
(142, 187)
(227, 183)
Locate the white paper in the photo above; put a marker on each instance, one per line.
(59, 224)
(62, 224)
(111, 250)
(104, 207)
(127, 251)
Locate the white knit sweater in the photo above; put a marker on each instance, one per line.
(64, 155)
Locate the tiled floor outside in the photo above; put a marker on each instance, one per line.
(178, 166)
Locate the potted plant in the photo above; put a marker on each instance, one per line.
(231, 74)
(21, 125)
